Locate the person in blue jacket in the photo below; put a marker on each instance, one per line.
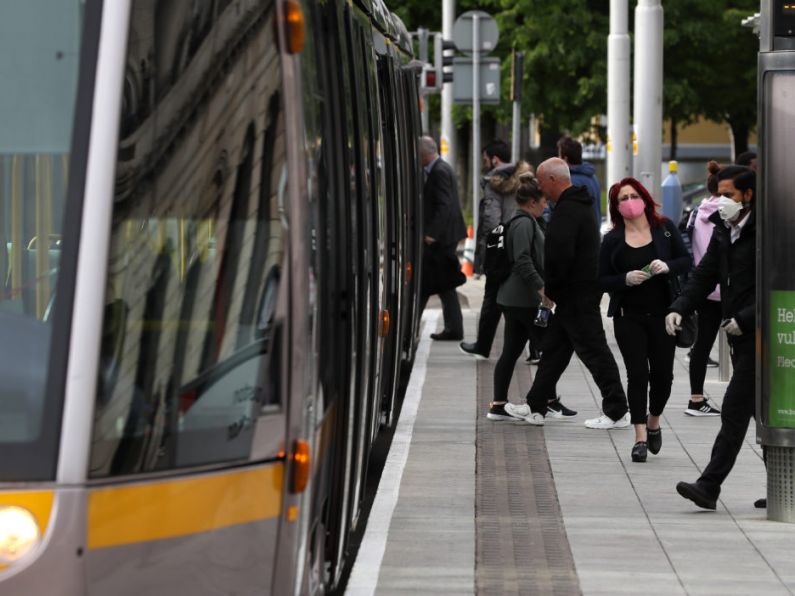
(582, 173)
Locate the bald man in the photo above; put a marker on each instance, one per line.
(571, 253)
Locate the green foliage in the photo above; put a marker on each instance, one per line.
(709, 63)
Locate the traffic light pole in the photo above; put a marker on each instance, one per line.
(516, 97)
(422, 36)
(475, 118)
(447, 137)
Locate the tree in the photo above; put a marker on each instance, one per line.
(710, 66)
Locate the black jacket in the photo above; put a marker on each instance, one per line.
(571, 248)
(669, 247)
(442, 217)
(734, 267)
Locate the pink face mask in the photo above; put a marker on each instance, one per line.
(631, 208)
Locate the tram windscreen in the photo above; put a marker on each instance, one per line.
(39, 55)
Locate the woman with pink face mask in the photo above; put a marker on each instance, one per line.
(638, 264)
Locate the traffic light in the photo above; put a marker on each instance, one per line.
(429, 80)
(443, 51)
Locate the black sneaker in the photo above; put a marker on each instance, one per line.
(711, 363)
(760, 503)
(696, 493)
(533, 358)
(472, 350)
(557, 411)
(701, 408)
(639, 452)
(654, 439)
(497, 412)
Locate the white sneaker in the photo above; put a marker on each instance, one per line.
(605, 422)
(522, 412)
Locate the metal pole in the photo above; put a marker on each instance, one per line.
(475, 117)
(516, 134)
(618, 108)
(516, 87)
(648, 93)
(447, 137)
(422, 37)
(724, 358)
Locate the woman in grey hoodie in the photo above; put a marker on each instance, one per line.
(521, 293)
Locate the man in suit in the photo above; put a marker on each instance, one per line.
(443, 228)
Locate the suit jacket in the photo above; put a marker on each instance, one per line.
(442, 217)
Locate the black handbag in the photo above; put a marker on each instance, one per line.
(687, 335)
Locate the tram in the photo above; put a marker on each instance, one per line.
(209, 272)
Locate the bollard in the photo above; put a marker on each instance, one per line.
(724, 358)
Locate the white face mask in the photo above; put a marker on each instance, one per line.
(729, 209)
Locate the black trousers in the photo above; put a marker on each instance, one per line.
(648, 353)
(577, 327)
(451, 311)
(490, 313)
(739, 405)
(709, 318)
(519, 328)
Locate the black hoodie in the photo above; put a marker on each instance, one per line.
(571, 249)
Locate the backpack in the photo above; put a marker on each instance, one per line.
(496, 264)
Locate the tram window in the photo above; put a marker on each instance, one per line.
(40, 46)
(191, 333)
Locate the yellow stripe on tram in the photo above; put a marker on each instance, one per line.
(180, 507)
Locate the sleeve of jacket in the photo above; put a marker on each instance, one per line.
(746, 318)
(521, 238)
(680, 261)
(560, 241)
(702, 281)
(610, 280)
(441, 197)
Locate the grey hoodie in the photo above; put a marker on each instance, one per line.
(498, 203)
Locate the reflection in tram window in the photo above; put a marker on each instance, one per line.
(190, 341)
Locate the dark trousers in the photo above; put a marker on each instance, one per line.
(709, 318)
(519, 328)
(648, 353)
(451, 311)
(739, 405)
(577, 327)
(490, 313)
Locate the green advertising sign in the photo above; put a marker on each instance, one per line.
(782, 360)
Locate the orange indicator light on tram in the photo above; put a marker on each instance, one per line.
(301, 466)
(294, 26)
(384, 323)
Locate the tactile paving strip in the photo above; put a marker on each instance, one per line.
(521, 540)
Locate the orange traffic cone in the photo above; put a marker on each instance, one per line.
(468, 265)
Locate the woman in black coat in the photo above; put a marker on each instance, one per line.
(638, 262)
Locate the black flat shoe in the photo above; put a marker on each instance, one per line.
(446, 336)
(639, 452)
(697, 494)
(654, 439)
(760, 503)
